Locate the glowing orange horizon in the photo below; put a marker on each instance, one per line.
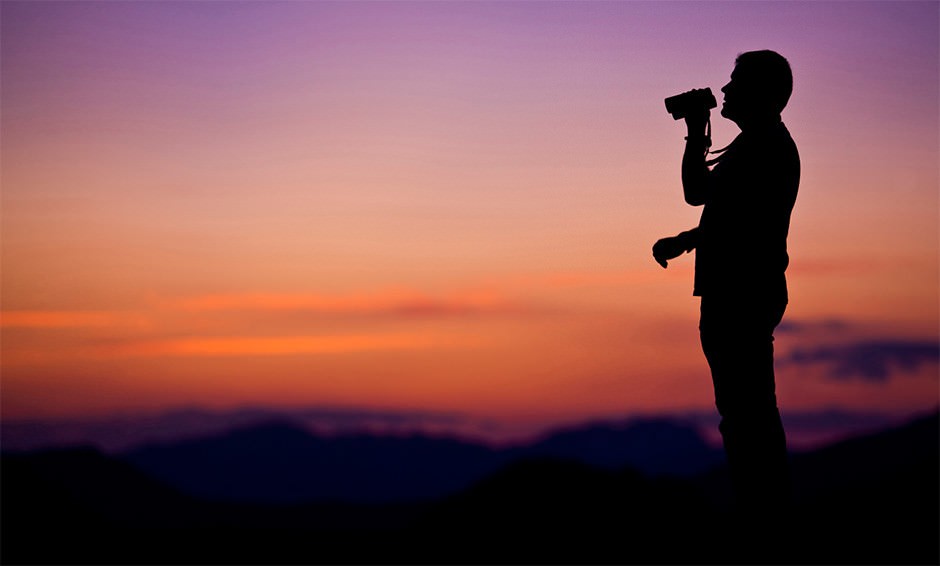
(435, 205)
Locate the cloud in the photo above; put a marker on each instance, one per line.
(279, 345)
(805, 326)
(60, 319)
(496, 296)
(389, 302)
(579, 279)
(873, 360)
(488, 298)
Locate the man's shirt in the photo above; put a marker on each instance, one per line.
(741, 245)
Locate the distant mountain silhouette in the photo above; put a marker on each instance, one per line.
(655, 447)
(117, 434)
(87, 484)
(120, 433)
(851, 464)
(870, 500)
(78, 506)
(883, 489)
(282, 463)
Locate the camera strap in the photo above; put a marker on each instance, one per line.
(708, 145)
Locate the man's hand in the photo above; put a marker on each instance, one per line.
(668, 248)
(696, 123)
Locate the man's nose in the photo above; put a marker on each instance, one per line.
(725, 88)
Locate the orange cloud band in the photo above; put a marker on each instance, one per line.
(397, 302)
(57, 319)
(489, 296)
(281, 345)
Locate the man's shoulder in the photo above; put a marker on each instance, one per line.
(776, 144)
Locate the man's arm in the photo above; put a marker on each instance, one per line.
(694, 170)
(671, 248)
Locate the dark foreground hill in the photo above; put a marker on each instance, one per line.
(872, 500)
(280, 463)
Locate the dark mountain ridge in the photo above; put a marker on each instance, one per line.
(869, 500)
(278, 462)
(281, 463)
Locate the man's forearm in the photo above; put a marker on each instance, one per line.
(689, 239)
(694, 171)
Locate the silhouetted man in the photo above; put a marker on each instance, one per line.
(740, 258)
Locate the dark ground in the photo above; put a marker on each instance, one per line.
(872, 500)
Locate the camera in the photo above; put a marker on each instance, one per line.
(695, 100)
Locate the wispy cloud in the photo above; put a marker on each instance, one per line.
(63, 319)
(578, 279)
(280, 345)
(383, 302)
(872, 360)
(495, 296)
(490, 298)
(804, 326)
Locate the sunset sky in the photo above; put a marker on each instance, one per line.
(443, 206)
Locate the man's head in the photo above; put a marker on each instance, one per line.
(760, 87)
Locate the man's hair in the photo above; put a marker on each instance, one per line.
(771, 75)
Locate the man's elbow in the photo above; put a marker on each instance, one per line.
(694, 192)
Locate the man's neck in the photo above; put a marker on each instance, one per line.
(758, 123)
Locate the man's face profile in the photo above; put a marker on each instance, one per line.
(737, 97)
(747, 97)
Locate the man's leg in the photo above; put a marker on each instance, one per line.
(737, 338)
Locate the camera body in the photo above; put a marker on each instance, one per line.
(695, 100)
